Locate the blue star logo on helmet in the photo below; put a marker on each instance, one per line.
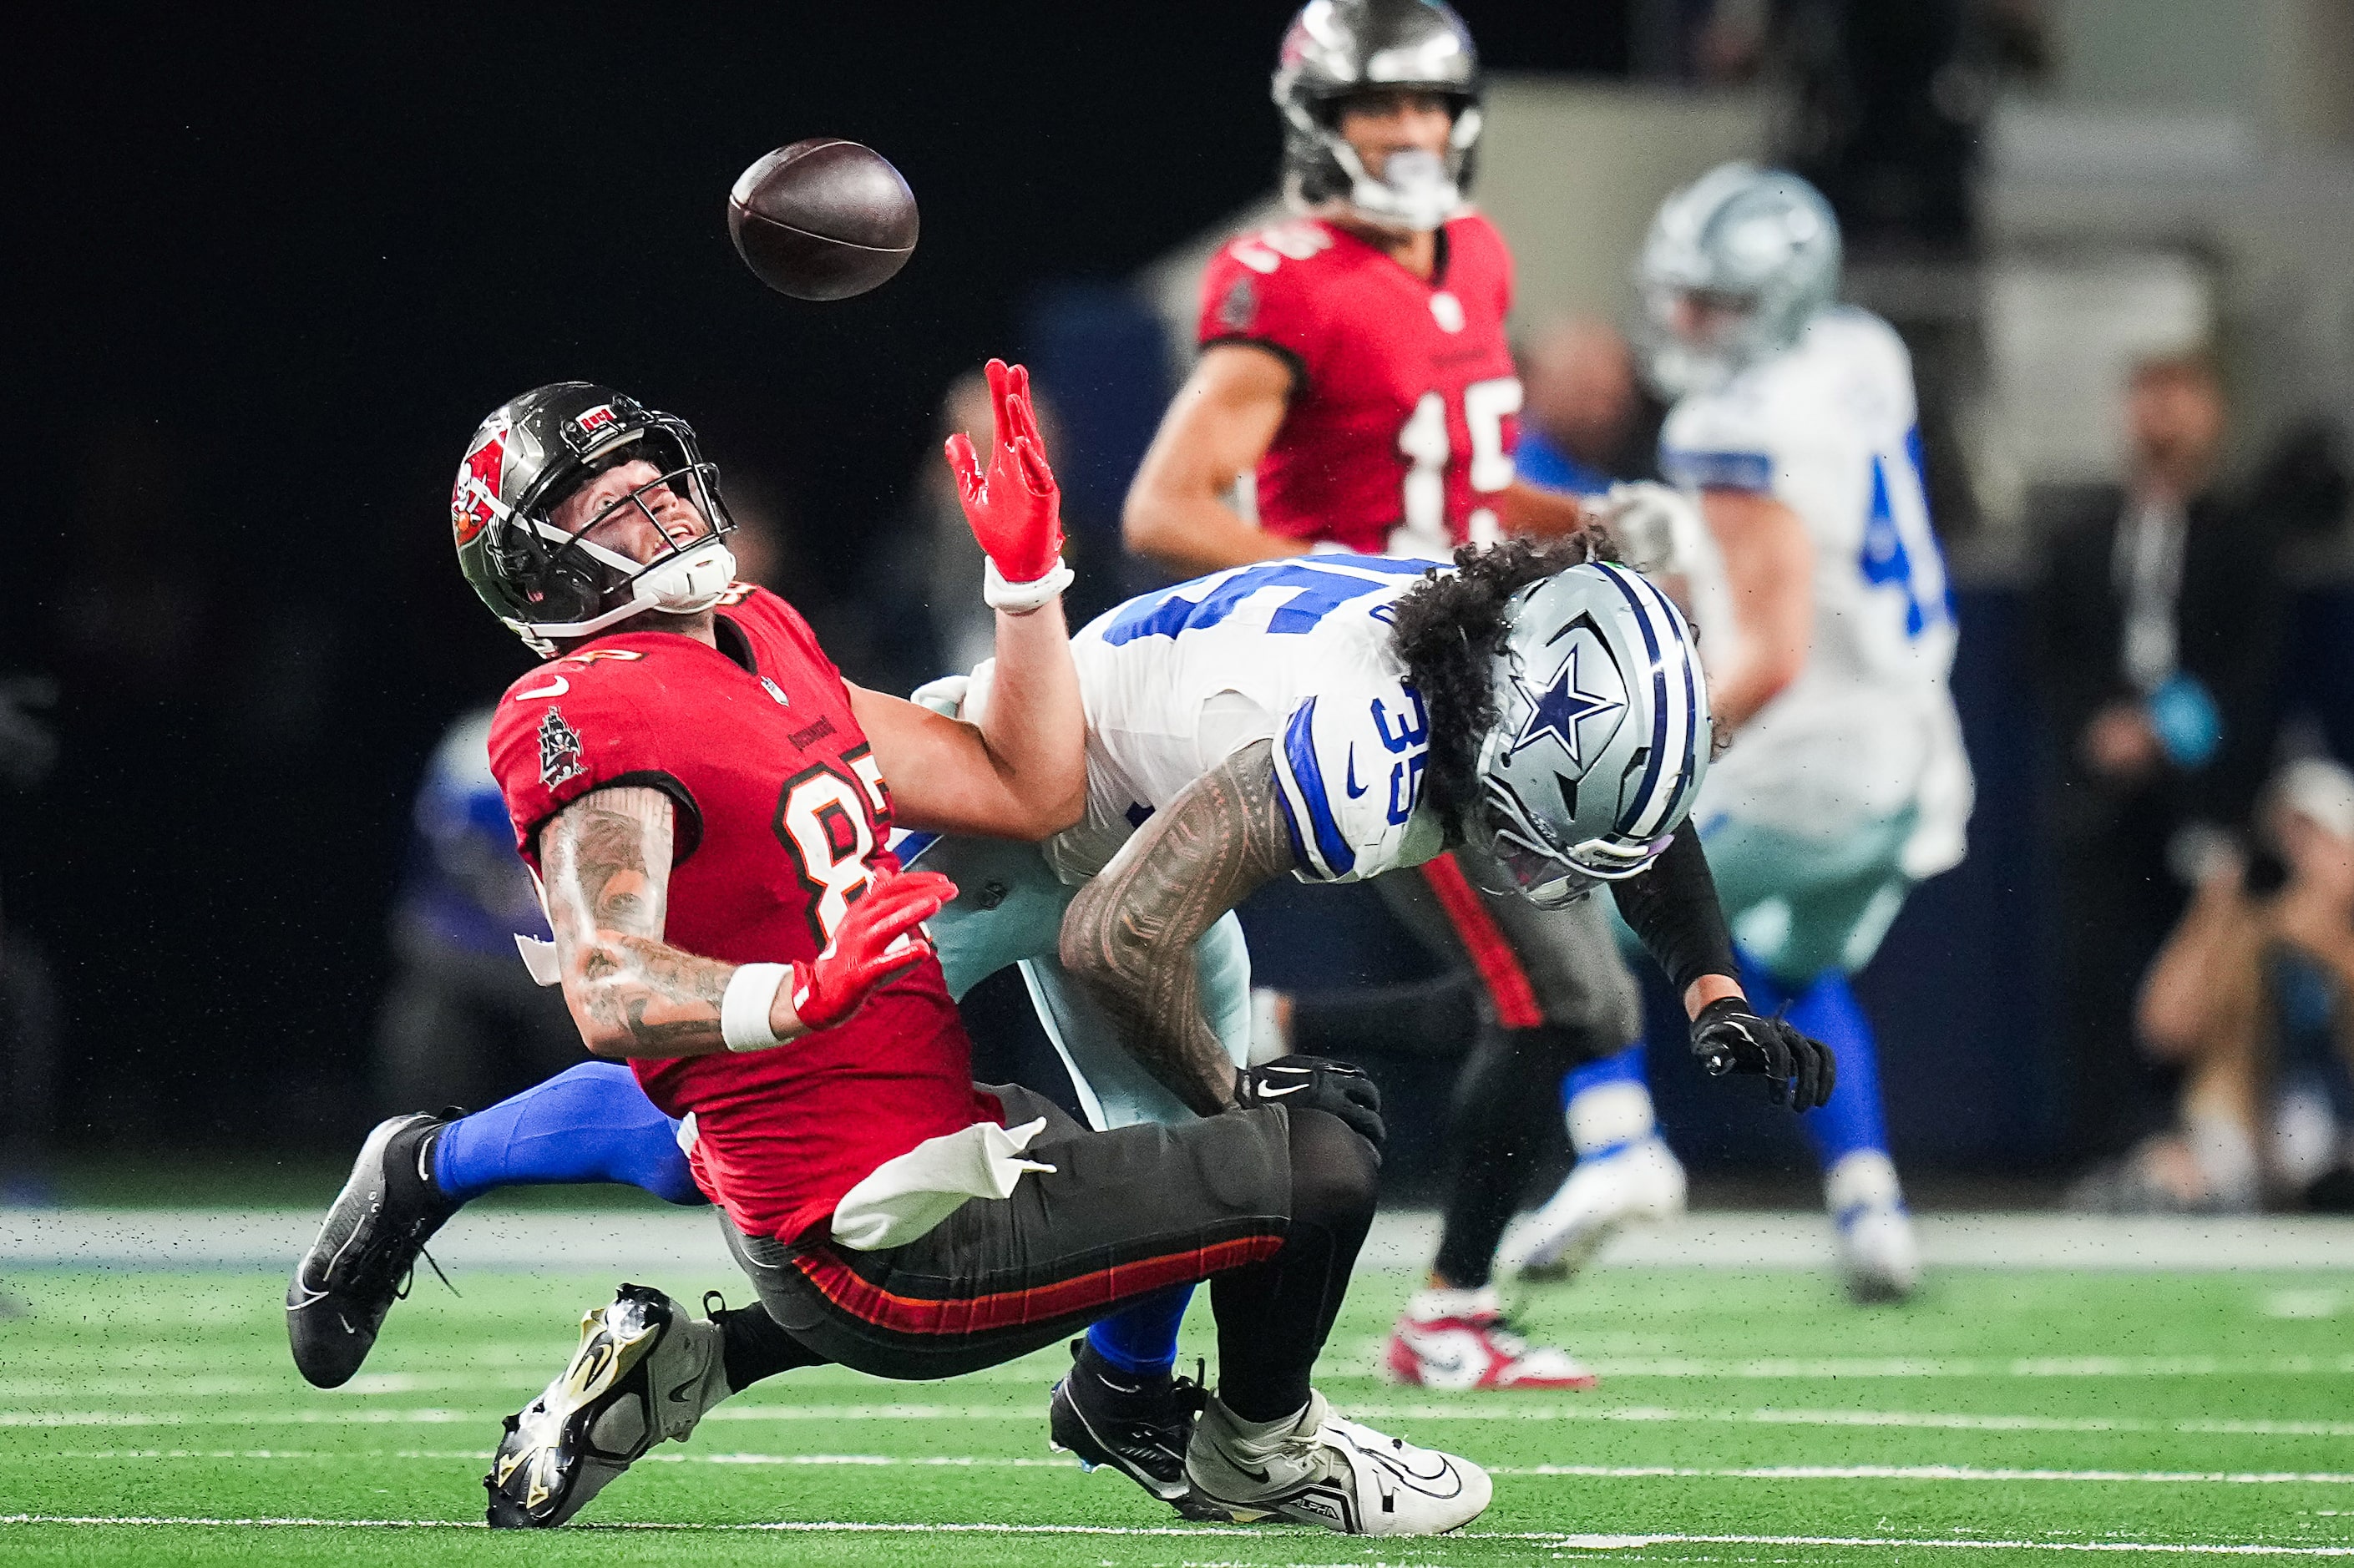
(1557, 709)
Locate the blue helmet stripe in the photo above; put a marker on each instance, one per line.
(1668, 808)
(1618, 576)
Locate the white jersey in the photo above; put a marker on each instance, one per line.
(1867, 728)
(1295, 650)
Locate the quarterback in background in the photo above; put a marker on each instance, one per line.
(1354, 369)
(1828, 633)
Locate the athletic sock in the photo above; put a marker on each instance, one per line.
(1852, 1122)
(753, 1346)
(1141, 1339)
(589, 1123)
(410, 1184)
(1608, 1104)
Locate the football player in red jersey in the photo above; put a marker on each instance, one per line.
(704, 801)
(1354, 365)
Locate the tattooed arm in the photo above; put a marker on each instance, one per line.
(606, 860)
(1129, 933)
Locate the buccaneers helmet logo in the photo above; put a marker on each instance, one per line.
(478, 483)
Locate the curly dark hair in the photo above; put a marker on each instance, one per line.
(1446, 631)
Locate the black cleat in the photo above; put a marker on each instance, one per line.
(365, 1250)
(645, 1374)
(1137, 1425)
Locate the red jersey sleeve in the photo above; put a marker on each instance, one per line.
(577, 724)
(1260, 290)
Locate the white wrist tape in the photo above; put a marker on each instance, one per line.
(1021, 598)
(743, 1006)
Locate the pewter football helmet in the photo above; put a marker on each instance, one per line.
(1601, 740)
(1760, 247)
(549, 586)
(1335, 48)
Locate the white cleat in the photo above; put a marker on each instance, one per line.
(1639, 1181)
(1878, 1252)
(645, 1374)
(1322, 1469)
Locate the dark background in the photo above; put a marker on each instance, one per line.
(270, 273)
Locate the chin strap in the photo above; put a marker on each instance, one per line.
(689, 584)
(1418, 207)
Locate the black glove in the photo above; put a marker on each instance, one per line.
(1729, 1038)
(1317, 1085)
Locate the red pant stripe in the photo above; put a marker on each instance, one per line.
(1012, 1308)
(1491, 953)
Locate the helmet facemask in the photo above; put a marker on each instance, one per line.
(1418, 191)
(1513, 851)
(1692, 341)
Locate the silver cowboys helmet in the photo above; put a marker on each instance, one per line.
(1602, 735)
(1336, 49)
(551, 583)
(1735, 266)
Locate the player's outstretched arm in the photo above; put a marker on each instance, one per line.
(1537, 513)
(1129, 933)
(1769, 573)
(606, 862)
(1022, 771)
(1217, 428)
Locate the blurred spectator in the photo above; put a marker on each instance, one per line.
(463, 1023)
(2249, 997)
(2158, 624)
(28, 1005)
(1884, 101)
(1585, 422)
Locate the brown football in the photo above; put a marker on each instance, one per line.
(823, 219)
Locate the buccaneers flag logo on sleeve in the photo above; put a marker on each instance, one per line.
(559, 750)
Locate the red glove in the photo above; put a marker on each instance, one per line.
(877, 939)
(1016, 509)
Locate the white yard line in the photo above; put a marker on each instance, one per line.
(1499, 1411)
(1946, 1473)
(2170, 1548)
(599, 1242)
(1769, 1369)
(1272, 1534)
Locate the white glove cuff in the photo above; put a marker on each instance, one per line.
(743, 1006)
(1021, 598)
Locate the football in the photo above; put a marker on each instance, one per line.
(823, 219)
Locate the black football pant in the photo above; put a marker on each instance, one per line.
(1269, 1205)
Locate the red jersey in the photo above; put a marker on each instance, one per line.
(1400, 426)
(780, 823)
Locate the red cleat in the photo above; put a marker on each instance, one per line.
(1459, 1340)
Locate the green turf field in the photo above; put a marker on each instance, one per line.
(1745, 1417)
